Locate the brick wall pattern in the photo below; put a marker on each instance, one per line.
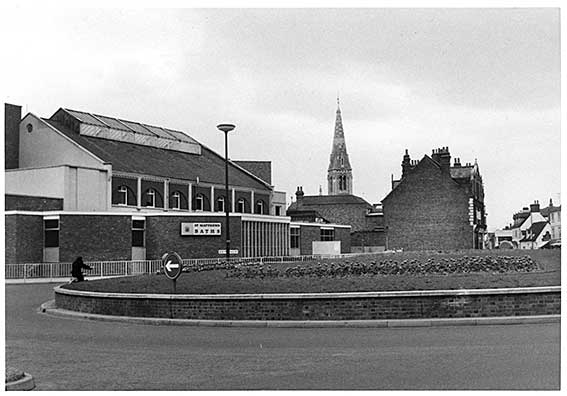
(367, 308)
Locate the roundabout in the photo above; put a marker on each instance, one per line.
(334, 291)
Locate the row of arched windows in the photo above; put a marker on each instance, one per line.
(151, 198)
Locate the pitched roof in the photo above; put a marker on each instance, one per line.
(261, 169)
(318, 200)
(550, 209)
(422, 162)
(534, 231)
(461, 172)
(134, 158)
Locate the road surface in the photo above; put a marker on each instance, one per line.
(75, 354)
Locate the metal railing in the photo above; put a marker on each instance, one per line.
(27, 271)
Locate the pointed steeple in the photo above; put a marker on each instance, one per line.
(339, 173)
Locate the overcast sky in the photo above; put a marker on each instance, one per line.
(484, 82)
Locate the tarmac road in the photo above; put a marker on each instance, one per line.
(72, 354)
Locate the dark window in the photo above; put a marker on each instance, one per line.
(220, 204)
(138, 233)
(294, 237)
(151, 198)
(327, 234)
(199, 202)
(259, 207)
(176, 200)
(241, 206)
(123, 195)
(278, 211)
(51, 233)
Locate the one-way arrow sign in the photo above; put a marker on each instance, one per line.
(172, 265)
(169, 266)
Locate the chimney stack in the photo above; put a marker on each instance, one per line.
(442, 157)
(299, 194)
(534, 208)
(406, 164)
(12, 118)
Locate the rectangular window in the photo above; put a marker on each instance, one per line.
(327, 234)
(220, 205)
(123, 195)
(199, 204)
(176, 201)
(51, 233)
(278, 210)
(294, 237)
(138, 233)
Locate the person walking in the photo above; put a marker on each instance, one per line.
(76, 269)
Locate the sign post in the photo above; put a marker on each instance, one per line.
(172, 266)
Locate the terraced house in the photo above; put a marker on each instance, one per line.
(106, 188)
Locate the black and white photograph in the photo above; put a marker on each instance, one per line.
(298, 196)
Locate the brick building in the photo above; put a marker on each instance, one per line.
(435, 206)
(80, 183)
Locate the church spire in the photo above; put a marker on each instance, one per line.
(339, 173)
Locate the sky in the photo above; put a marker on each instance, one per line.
(483, 82)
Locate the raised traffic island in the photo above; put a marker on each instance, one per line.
(341, 290)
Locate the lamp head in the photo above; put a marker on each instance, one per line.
(225, 127)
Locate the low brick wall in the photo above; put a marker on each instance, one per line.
(320, 306)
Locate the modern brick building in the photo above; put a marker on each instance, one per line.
(80, 183)
(435, 206)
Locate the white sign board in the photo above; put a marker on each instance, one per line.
(326, 247)
(232, 251)
(200, 228)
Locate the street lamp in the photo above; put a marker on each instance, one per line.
(226, 128)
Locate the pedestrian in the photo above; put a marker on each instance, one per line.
(76, 268)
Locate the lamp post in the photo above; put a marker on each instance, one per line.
(226, 128)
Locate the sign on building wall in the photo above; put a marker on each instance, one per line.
(232, 251)
(200, 228)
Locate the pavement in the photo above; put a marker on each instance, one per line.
(50, 309)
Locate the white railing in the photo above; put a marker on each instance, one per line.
(27, 271)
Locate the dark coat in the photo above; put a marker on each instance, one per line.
(77, 266)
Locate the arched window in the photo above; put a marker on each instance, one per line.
(241, 205)
(220, 204)
(199, 202)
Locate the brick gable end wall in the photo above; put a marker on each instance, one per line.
(427, 211)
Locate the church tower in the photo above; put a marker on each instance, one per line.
(339, 174)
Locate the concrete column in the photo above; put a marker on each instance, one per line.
(213, 198)
(139, 193)
(190, 197)
(166, 194)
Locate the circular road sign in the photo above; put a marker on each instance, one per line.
(172, 265)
